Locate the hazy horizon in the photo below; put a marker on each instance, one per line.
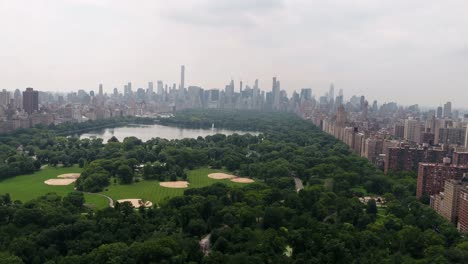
(408, 52)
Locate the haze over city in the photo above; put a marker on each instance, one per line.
(407, 52)
(233, 131)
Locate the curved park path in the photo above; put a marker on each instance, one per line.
(111, 201)
(298, 183)
(205, 244)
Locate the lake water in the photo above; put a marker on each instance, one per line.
(146, 132)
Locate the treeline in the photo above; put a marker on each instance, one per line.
(226, 119)
(74, 127)
(25, 150)
(254, 224)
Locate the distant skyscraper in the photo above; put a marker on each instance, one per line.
(30, 100)
(101, 92)
(182, 77)
(341, 92)
(150, 88)
(18, 99)
(375, 107)
(276, 93)
(306, 93)
(365, 110)
(466, 139)
(341, 116)
(412, 130)
(256, 84)
(399, 130)
(452, 135)
(448, 109)
(116, 92)
(331, 92)
(128, 89)
(4, 97)
(362, 102)
(439, 112)
(339, 100)
(160, 88)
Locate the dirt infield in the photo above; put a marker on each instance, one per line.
(242, 180)
(69, 176)
(59, 182)
(220, 176)
(137, 203)
(174, 184)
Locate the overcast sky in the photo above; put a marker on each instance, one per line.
(405, 51)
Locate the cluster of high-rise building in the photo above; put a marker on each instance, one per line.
(21, 110)
(30, 107)
(392, 137)
(433, 143)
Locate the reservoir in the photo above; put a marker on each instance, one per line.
(146, 132)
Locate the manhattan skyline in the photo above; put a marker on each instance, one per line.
(403, 52)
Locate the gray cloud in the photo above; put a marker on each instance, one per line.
(224, 13)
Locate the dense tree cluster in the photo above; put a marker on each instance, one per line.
(264, 222)
(25, 150)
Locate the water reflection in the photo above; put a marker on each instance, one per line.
(146, 132)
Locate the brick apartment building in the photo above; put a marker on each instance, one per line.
(463, 211)
(460, 158)
(452, 203)
(432, 176)
(407, 158)
(446, 203)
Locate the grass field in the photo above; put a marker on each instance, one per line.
(31, 186)
(381, 215)
(151, 191)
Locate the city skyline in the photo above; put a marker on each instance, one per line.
(391, 52)
(101, 89)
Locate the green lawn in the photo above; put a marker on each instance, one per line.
(31, 186)
(381, 215)
(150, 190)
(360, 189)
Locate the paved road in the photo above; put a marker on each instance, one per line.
(298, 183)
